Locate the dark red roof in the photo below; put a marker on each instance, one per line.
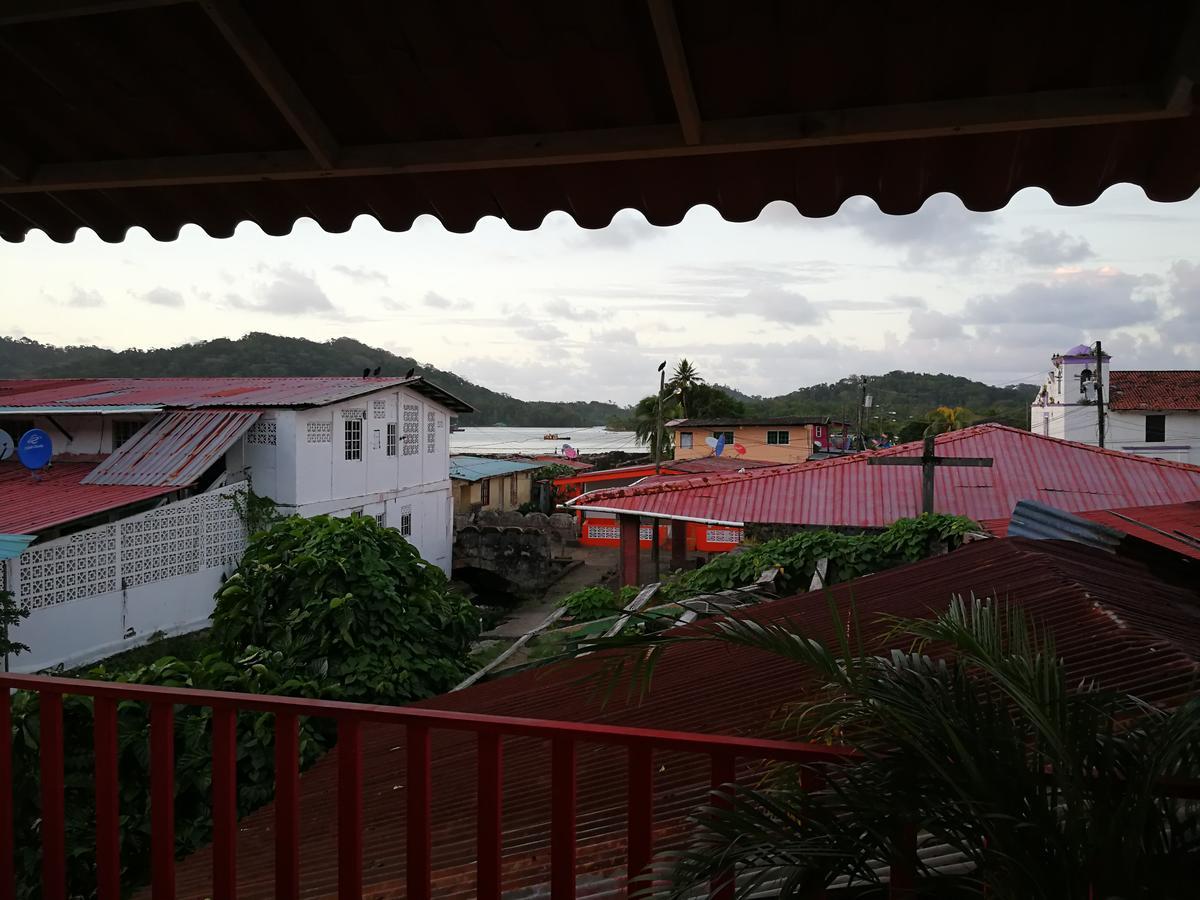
(1111, 618)
(518, 109)
(1165, 390)
(198, 392)
(28, 506)
(850, 492)
(1175, 526)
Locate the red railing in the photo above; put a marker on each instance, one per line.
(724, 752)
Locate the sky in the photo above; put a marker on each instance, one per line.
(564, 313)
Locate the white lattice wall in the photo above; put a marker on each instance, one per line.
(80, 565)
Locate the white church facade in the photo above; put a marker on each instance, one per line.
(1146, 412)
(133, 525)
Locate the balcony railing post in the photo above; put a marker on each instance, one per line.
(641, 811)
(162, 800)
(108, 815)
(224, 800)
(490, 815)
(420, 796)
(562, 818)
(724, 774)
(53, 827)
(287, 806)
(350, 809)
(8, 887)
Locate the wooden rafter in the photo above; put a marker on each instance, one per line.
(17, 12)
(1183, 71)
(14, 162)
(674, 59)
(850, 126)
(257, 55)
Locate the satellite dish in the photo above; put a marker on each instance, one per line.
(569, 452)
(34, 449)
(817, 445)
(711, 441)
(720, 448)
(6, 445)
(741, 451)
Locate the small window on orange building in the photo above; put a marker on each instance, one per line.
(685, 440)
(778, 437)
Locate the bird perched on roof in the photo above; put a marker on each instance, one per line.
(410, 372)
(375, 374)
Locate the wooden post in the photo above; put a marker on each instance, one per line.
(929, 463)
(678, 544)
(631, 549)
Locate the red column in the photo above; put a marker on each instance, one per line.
(630, 550)
(678, 544)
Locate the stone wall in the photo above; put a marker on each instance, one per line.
(524, 556)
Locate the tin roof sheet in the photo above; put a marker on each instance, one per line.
(851, 492)
(477, 468)
(176, 448)
(1111, 618)
(198, 392)
(1167, 390)
(28, 506)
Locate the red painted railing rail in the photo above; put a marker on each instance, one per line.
(563, 739)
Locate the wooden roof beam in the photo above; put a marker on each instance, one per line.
(1024, 112)
(674, 59)
(14, 162)
(1183, 71)
(18, 12)
(254, 51)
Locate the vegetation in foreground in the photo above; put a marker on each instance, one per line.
(1042, 787)
(337, 609)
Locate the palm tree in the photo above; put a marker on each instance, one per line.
(946, 418)
(1031, 784)
(645, 422)
(683, 380)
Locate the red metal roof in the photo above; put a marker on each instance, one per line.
(1162, 390)
(399, 110)
(1111, 618)
(850, 492)
(28, 506)
(174, 449)
(208, 392)
(1175, 526)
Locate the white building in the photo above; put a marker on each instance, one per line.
(134, 522)
(1146, 412)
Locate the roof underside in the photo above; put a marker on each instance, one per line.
(1112, 621)
(851, 492)
(161, 113)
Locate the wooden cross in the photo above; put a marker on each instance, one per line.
(929, 461)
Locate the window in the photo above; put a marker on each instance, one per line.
(123, 430)
(1156, 429)
(391, 438)
(485, 491)
(412, 428)
(779, 437)
(16, 427)
(728, 435)
(406, 521)
(353, 433)
(685, 440)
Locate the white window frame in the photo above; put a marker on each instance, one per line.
(352, 439)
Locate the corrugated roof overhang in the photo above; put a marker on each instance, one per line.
(162, 113)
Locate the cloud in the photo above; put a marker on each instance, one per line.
(626, 336)
(161, 296)
(619, 234)
(85, 298)
(781, 306)
(1041, 247)
(392, 305)
(361, 275)
(561, 309)
(540, 331)
(931, 325)
(1097, 298)
(1183, 295)
(941, 229)
(288, 292)
(434, 300)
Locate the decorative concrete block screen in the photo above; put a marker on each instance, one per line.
(202, 532)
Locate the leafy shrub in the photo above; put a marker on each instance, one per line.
(328, 608)
(591, 603)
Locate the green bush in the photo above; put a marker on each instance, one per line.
(591, 603)
(327, 608)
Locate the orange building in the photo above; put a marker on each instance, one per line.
(784, 439)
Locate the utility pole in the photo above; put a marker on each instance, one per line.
(862, 405)
(1100, 393)
(658, 454)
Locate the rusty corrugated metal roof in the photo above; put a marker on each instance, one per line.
(1111, 618)
(28, 506)
(850, 492)
(198, 392)
(1167, 390)
(176, 448)
(515, 109)
(1175, 526)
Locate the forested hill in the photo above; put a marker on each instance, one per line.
(899, 396)
(267, 354)
(909, 394)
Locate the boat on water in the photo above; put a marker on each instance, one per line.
(556, 437)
